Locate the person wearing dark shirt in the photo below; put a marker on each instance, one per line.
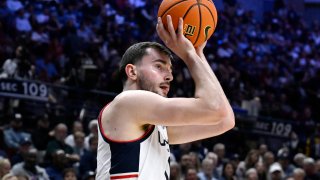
(60, 133)
(88, 161)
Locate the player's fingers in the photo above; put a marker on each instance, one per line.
(170, 27)
(180, 27)
(162, 32)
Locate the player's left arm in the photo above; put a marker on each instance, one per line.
(184, 134)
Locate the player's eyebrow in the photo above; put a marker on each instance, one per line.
(163, 62)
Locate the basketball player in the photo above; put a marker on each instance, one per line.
(135, 129)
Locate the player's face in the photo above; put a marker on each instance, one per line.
(155, 73)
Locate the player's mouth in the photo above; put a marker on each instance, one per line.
(165, 88)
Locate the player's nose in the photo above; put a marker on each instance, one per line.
(169, 77)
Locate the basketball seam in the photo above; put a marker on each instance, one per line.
(171, 7)
(214, 20)
(200, 21)
(185, 14)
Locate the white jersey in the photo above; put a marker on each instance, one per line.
(144, 158)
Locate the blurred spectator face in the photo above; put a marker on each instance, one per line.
(263, 148)
(77, 126)
(229, 170)
(44, 122)
(207, 166)
(252, 176)
(268, 158)
(191, 174)
(219, 149)
(70, 175)
(309, 168)
(31, 158)
(276, 175)
(174, 170)
(213, 156)
(298, 174)
(59, 159)
(25, 146)
(93, 143)
(298, 159)
(5, 167)
(195, 161)
(260, 168)
(61, 132)
(318, 166)
(252, 157)
(186, 161)
(93, 126)
(79, 139)
(16, 122)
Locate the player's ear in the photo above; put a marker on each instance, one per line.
(131, 71)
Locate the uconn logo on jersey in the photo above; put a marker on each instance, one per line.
(162, 140)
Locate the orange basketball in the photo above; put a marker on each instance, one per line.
(199, 18)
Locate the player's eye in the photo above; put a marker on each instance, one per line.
(158, 66)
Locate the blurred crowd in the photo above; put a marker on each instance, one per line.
(267, 68)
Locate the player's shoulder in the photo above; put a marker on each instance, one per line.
(131, 95)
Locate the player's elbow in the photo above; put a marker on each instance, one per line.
(225, 115)
(230, 119)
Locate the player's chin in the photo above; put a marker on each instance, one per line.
(164, 93)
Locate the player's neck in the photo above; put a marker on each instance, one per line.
(130, 86)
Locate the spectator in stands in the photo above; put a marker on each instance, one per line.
(207, 170)
(251, 174)
(69, 174)
(88, 161)
(318, 166)
(298, 174)
(90, 175)
(185, 163)
(249, 162)
(263, 148)
(25, 146)
(220, 150)
(195, 160)
(310, 169)
(15, 134)
(268, 159)
(78, 147)
(284, 161)
(180, 150)
(214, 157)
(261, 170)
(93, 128)
(5, 167)
(298, 160)
(228, 172)
(60, 133)
(175, 171)
(41, 130)
(59, 162)
(18, 67)
(76, 126)
(22, 22)
(10, 176)
(29, 167)
(191, 174)
(275, 172)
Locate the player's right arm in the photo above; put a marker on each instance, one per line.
(145, 107)
(208, 107)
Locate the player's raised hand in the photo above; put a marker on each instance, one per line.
(175, 41)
